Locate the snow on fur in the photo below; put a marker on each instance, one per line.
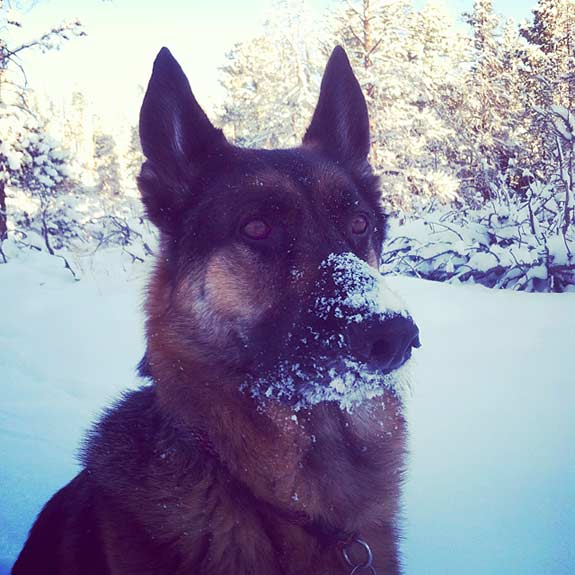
(359, 294)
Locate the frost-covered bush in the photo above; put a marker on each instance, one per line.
(507, 243)
(47, 206)
(31, 160)
(118, 223)
(80, 222)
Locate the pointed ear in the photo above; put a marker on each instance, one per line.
(176, 136)
(174, 130)
(340, 124)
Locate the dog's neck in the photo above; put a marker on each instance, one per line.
(254, 477)
(279, 454)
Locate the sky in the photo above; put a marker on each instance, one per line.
(113, 62)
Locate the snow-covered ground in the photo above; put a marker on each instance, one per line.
(491, 484)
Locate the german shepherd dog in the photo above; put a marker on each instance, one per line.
(270, 437)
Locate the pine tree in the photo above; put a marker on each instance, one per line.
(373, 33)
(134, 156)
(437, 56)
(406, 63)
(552, 62)
(107, 165)
(493, 107)
(552, 31)
(14, 151)
(78, 131)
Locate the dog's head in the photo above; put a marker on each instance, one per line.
(268, 258)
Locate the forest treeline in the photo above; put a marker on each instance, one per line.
(472, 131)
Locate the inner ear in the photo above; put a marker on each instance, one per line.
(340, 123)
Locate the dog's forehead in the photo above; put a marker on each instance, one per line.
(295, 173)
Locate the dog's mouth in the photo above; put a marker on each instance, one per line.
(348, 381)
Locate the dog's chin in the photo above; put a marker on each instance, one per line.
(302, 382)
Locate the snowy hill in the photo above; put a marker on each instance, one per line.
(491, 484)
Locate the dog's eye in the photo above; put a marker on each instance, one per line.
(257, 230)
(359, 224)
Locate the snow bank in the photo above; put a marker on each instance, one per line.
(491, 475)
(67, 349)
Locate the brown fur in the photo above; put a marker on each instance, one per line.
(191, 475)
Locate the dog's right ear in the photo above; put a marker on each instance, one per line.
(177, 139)
(340, 124)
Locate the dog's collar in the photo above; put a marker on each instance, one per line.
(358, 555)
(355, 551)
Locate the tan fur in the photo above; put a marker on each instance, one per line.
(235, 285)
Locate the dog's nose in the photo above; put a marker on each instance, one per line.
(387, 344)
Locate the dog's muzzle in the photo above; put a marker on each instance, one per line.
(353, 301)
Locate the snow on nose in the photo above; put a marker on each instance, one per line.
(360, 292)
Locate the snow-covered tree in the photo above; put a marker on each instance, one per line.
(35, 167)
(552, 34)
(492, 109)
(133, 157)
(27, 157)
(407, 63)
(78, 130)
(272, 80)
(438, 53)
(551, 63)
(372, 32)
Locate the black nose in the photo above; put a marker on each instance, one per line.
(386, 344)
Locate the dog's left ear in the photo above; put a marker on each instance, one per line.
(340, 124)
(174, 130)
(177, 139)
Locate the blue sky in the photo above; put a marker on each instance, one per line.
(124, 36)
(518, 9)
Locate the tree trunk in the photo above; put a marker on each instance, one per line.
(3, 220)
(3, 217)
(368, 48)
